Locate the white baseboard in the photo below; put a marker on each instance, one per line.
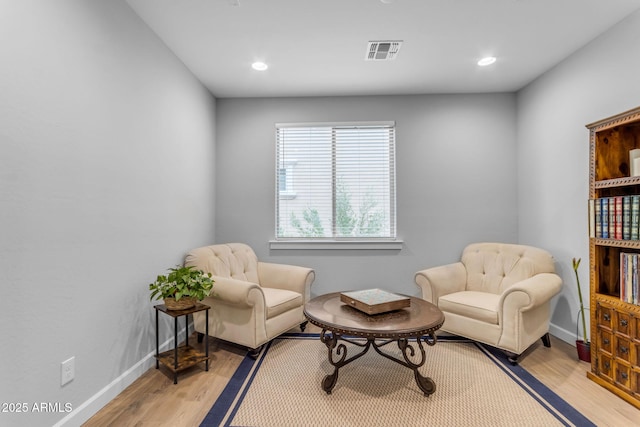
(563, 334)
(96, 402)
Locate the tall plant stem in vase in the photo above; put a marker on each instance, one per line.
(576, 264)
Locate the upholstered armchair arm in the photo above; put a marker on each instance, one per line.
(442, 280)
(524, 310)
(236, 292)
(530, 293)
(289, 277)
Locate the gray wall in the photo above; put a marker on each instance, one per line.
(106, 179)
(456, 180)
(596, 82)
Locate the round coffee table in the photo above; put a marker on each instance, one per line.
(340, 321)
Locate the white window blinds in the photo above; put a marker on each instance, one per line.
(335, 181)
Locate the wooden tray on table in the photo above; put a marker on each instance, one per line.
(374, 301)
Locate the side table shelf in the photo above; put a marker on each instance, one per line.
(183, 356)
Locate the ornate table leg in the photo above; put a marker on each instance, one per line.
(426, 384)
(337, 355)
(331, 341)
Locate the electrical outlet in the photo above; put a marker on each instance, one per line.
(67, 370)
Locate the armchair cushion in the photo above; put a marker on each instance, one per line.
(279, 301)
(482, 306)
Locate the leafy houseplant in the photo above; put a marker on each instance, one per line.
(182, 287)
(583, 346)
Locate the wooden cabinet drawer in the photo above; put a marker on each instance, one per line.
(605, 338)
(622, 323)
(605, 366)
(635, 326)
(635, 382)
(622, 348)
(605, 316)
(623, 375)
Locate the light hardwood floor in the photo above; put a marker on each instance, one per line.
(153, 399)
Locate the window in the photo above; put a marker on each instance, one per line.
(335, 181)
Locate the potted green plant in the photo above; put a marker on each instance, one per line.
(182, 287)
(582, 345)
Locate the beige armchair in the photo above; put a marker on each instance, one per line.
(251, 302)
(497, 294)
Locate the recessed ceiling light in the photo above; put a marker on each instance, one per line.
(259, 66)
(487, 61)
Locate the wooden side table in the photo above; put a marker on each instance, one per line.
(185, 356)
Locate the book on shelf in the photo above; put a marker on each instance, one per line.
(616, 217)
(612, 217)
(597, 216)
(635, 217)
(629, 278)
(626, 218)
(617, 223)
(604, 217)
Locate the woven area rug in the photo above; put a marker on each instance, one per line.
(475, 386)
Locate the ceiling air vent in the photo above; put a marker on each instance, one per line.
(382, 50)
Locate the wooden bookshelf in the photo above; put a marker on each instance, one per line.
(615, 324)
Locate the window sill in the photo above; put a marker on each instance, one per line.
(337, 244)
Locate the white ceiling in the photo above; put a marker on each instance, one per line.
(317, 47)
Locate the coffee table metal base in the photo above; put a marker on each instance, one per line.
(337, 353)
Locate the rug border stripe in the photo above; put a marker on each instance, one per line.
(255, 367)
(234, 391)
(557, 406)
